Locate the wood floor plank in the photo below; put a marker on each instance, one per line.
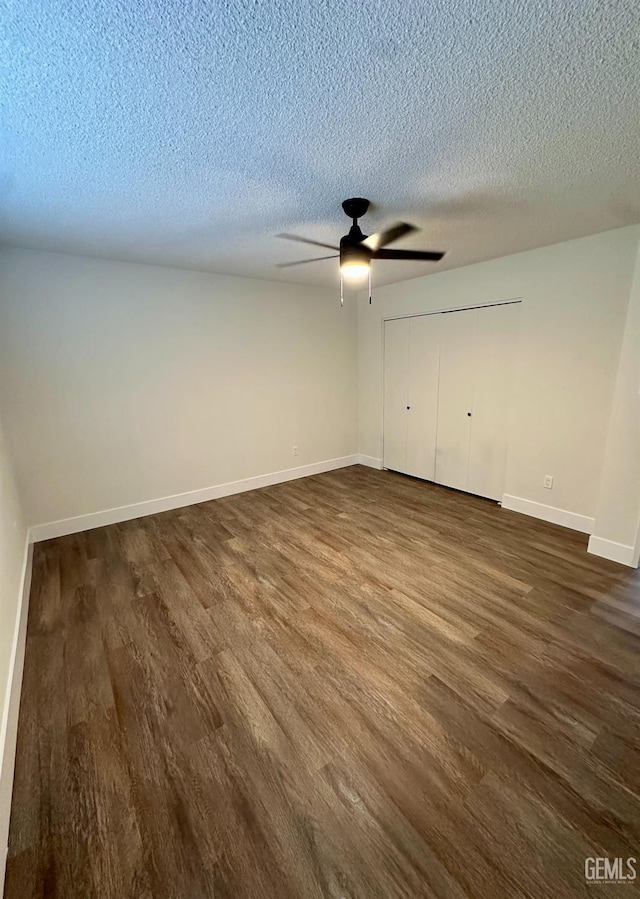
(352, 685)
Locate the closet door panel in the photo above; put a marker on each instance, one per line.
(457, 346)
(496, 336)
(396, 391)
(424, 352)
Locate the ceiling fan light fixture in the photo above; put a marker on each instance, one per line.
(355, 260)
(354, 271)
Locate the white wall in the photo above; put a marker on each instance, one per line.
(575, 297)
(13, 536)
(618, 508)
(123, 383)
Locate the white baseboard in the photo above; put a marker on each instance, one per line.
(549, 513)
(11, 707)
(138, 510)
(370, 461)
(616, 552)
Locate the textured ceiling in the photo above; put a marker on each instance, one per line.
(191, 132)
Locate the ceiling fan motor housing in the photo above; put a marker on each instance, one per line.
(351, 250)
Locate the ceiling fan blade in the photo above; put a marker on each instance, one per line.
(315, 243)
(303, 261)
(383, 238)
(426, 255)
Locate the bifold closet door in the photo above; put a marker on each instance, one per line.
(457, 371)
(496, 333)
(422, 415)
(411, 395)
(396, 393)
(474, 407)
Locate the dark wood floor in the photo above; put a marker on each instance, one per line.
(353, 685)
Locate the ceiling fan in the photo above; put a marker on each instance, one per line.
(356, 250)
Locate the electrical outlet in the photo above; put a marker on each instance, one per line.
(295, 451)
(548, 481)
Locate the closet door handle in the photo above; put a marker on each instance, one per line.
(408, 407)
(469, 414)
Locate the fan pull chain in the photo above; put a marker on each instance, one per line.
(369, 284)
(341, 289)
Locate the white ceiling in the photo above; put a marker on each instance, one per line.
(190, 133)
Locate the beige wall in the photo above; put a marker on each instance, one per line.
(123, 383)
(13, 534)
(618, 508)
(574, 305)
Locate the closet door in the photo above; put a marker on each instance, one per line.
(455, 397)
(424, 352)
(496, 332)
(396, 393)
(447, 396)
